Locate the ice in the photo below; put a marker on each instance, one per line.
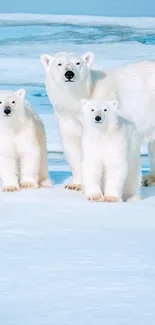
(30, 19)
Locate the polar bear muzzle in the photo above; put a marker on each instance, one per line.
(7, 110)
(98, 119)
(69, 75)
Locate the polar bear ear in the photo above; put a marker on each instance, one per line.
(46, 60)
(88, 58)
(21, 93)
(84, 102)
(114, 104)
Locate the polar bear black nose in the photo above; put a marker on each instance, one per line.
(69, 74)
(98, 118)
(7, 111)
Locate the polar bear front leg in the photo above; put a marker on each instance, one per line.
(115, 177)
(71, 142)
(149, 179)
(72, 148)
(29, 166)
(91, 176)
(9, 173)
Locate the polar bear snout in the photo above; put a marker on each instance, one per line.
(98, 119)
(7, 110)
(69, 75)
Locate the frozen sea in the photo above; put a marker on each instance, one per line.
(63, 260)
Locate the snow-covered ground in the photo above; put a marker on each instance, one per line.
(66, 261)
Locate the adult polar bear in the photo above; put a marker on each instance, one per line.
(70, 78)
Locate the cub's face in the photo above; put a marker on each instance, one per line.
(11, 103)
(67, 69)
(98, 111)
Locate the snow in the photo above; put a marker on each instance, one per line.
(66, 261)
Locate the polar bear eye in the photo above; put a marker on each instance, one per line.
(59, 64)
(0, 103)
(105, 110)
(77, 63)
(92, 110)
(13, 102)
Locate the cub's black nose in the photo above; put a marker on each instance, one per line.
(7, 111)
(97, 118)
(69, 75)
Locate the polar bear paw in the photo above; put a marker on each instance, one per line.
(148, 180)
(73, 187)
(95, 198)
(112, 199)
(11, 188)
(28, 185)
(46, 183)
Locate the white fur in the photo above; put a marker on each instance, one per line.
(133, 85)
(111, 152)
(22, 143)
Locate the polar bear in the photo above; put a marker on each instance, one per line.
(67, 82)
(69, 78)
(23, 159)
(111, 153)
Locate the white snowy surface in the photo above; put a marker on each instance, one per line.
(66, 261)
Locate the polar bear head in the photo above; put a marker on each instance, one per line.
(99, 111)
(66, 68)
(11, 103)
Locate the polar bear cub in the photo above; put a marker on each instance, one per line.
(111, 153)
(23, 157)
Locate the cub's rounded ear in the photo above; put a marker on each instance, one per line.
(88, 58)
(114, 104)
(84, 102)
(46, 60)
(21, 93)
